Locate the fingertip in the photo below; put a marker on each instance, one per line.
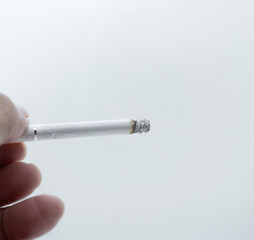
(36, 173)
(12, 152)
(23, 111)
(33, 217)
(21, 126)
(14, 120)
(19, 149)
(24, 151)
(51, 208)
(18, 180)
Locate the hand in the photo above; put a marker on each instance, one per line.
(35, 216)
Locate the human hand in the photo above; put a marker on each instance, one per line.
(35, 216)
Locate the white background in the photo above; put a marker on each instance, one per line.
(185, 65)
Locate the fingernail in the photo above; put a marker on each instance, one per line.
(27, 121)
(23, 111)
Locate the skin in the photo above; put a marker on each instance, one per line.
(32, 217)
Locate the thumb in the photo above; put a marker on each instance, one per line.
(12, 120)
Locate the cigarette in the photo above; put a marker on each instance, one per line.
(84, 129)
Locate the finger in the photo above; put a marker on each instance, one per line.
(12, 121)
(31, 218)
(12, 152)
(17, 181)
(23, 111)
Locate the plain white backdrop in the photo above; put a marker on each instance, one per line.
(185, 65)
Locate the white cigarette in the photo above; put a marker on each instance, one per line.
(84, 129)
